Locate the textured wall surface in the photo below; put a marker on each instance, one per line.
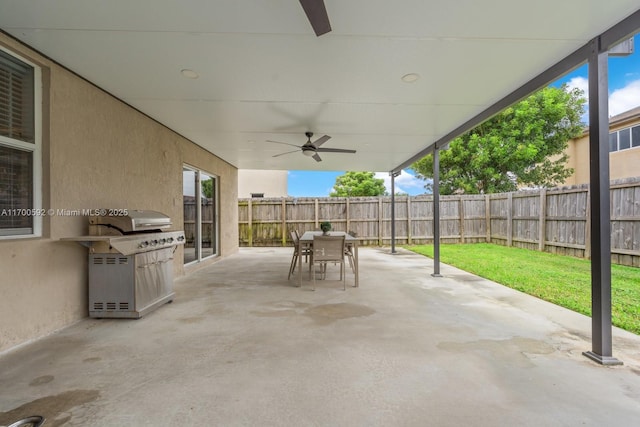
(622, 164)
(97, 152)
(269, 183)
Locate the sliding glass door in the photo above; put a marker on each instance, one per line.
(200, 201)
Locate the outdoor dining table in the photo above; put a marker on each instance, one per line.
(306, 240)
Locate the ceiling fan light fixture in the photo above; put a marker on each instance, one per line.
(308, 153)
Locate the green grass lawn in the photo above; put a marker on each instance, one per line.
(562, 280)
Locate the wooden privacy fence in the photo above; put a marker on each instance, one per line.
(207, 212)
(553, 220)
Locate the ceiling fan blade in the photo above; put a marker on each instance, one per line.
(318, 142)
(316, 157)
(284, 143)
(335, 150)
(288, 152)
(317, 15)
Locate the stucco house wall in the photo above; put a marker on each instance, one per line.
(266, 182)
(622, 164)
(97, 152)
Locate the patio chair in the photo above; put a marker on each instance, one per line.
(348, 251)
(328, 249)
(306, 252)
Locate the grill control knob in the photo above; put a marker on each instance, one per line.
(170, 240)
(180, 238)
(154, 242)
(163, 241)
(143, 244)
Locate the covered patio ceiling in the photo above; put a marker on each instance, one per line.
(262, 74)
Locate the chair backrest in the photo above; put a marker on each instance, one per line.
(294, 237)
(328, 248)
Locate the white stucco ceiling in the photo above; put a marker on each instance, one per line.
(264, 75)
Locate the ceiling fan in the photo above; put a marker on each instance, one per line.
(317, 15)
(311, 149)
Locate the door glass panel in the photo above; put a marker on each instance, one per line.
(189, 186)
(208, 211)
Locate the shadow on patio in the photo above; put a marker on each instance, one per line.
(241, 345)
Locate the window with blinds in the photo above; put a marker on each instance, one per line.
(18, 146)
(16, 99)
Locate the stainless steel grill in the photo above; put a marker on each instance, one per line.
(130, 262)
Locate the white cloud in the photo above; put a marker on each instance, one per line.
(581, 83)
(620, 100)
(625, 98)
(404, 183)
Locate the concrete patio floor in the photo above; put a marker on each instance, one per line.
(242, 346)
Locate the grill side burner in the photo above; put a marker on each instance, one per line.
(130, 263)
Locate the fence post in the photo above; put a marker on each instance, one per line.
(487, 216)
(510, 219)
(348, 216)
(408, 220)
(379, 221)
(542, 222)
(587, 224)
(250, 220)
(317, 210)
(284, 222)
(461, 213)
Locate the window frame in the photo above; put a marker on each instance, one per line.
(613, 146)
(35, 149)
(624, 137)
(617, 134)
(634, 143)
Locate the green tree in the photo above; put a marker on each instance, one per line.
(358, 184)
(207, 188)
(521, 146)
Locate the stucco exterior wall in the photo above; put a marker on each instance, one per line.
(97, 152)
(270, 183)
(622, 164)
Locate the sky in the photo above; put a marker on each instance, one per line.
(624, 94)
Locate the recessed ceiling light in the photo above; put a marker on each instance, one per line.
(410, 78)
(190, 74)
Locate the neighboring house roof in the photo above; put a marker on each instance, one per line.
(629, 116)
(632, 114)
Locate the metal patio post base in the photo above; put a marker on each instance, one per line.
(603, 360)
(436, 275)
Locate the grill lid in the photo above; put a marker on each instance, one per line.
(127, 221)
